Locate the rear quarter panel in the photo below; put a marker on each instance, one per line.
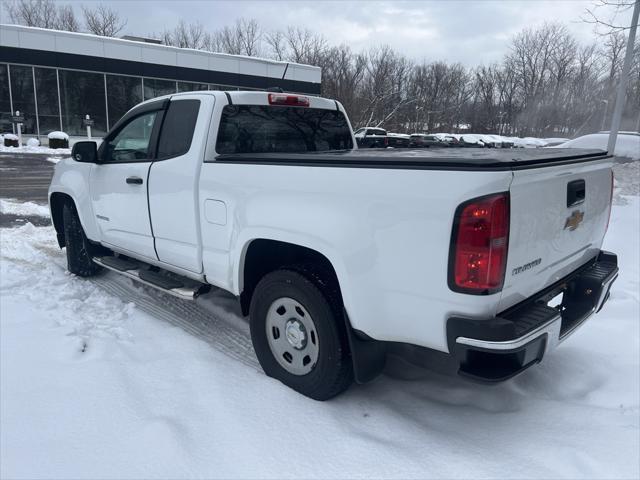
(386, 233)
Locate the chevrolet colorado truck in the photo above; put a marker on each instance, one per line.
(491, 256)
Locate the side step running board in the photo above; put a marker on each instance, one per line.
(164, 281)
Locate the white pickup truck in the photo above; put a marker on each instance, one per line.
(490, 256)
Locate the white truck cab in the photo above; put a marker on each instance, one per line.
(336, 253)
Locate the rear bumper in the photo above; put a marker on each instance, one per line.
(493, 350)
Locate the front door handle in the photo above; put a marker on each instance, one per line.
(134, 180)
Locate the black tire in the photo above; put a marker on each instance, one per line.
(79, 249)
(333, 371)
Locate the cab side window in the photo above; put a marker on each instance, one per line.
(132, 142)
(177, 128)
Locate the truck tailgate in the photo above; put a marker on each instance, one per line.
(559, 215)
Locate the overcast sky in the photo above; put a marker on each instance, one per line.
(471, 32)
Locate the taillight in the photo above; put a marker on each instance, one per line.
(386, 141)
(285, 99)
(479, 245)
(610, 203)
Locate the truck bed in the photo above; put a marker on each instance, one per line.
(424, 158)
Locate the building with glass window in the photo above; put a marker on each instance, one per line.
(55, 78)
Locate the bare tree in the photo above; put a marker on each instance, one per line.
(613, 52)
(185, 35)
(227, 41)
(33, 13)
(305, 46)
(383, 91)
(342, 74)
(277, 45)
(604, 13)
(103, 21)
(249, 36)
(67, 19)
(243, 38)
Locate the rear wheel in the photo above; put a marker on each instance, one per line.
(79, 249)
(298, 333)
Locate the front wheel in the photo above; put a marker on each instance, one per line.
(79, 249)
(299, 335)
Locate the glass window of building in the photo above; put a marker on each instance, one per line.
(156, 88)
(5, 104)
(23, 99)
(82, 93)
(123, 93)
(191, 87)
(47, 97)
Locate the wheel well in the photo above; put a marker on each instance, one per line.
(264, 256)
(58, 201)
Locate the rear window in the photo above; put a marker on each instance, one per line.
(276, 129)
(376, 131)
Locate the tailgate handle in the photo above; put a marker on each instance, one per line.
(575, 192)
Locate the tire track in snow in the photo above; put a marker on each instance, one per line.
(214, 317)
(192, 317)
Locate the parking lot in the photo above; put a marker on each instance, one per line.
(25, 176)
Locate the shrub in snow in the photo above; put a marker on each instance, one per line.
(58, 140)
(10, 140)
(33, 142)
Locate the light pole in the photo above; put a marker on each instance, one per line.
(624, 78)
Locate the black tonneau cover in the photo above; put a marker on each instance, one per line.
(424, 158)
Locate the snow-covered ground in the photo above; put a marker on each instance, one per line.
(26, 209)
(103, 379)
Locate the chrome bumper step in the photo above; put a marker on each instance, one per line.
(498, 348)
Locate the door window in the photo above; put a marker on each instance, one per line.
(131, 143)
(177, 128)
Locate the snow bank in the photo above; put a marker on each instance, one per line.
(33, 142)
(95, 387)
(58, 136)
(10, 136)
(627, 181)
(626, 145)
(23, 209)
(554, 141)
(531, 142)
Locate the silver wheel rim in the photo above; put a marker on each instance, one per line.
(292, 336)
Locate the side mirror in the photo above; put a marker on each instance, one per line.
(85, 152)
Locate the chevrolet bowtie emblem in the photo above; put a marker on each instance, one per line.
(574, 220)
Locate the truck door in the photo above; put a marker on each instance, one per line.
(118, 184)
(174, 181)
